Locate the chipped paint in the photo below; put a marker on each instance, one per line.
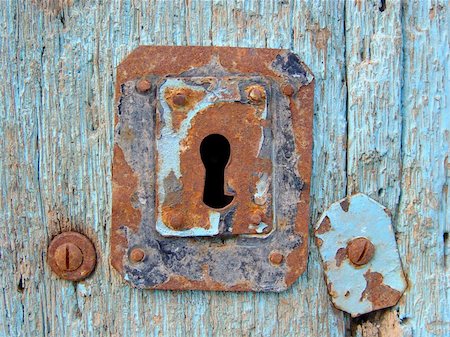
(262, 189)
(259, 228)
(352, 287)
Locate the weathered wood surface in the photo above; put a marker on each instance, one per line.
(382, 127)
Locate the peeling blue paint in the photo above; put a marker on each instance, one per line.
(346, 281)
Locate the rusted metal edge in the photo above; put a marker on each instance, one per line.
(359, 253)
(280, 66)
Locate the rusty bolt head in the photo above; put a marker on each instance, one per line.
(71, 256)
(179, 99)
(288, 90)
(360, 251)
(256, 93)
(276, 258)
(68, 257)
(143, 86)
(137, 255)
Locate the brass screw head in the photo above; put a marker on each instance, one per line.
(68, 257)
(276, 258)
(71, 256)
(256, 94)
(360, 251)
(143, 86)
(179, 99)
(137, 255)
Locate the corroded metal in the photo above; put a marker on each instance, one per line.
(259, 241)
(71, 256)
(359, 254)
(360, 251)
(213, 106)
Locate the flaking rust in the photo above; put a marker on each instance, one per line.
(164, 236)
(359, 254)
(213, 106)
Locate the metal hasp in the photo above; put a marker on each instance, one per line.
(359, 254)
(211, 169)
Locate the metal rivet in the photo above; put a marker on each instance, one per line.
(72, 256)
(143, 86)
(179, 99)
(288, 90)
(176, 220)
(360, 251)
(276, 258)
(137, 255)
(255, 219)
(256, 94)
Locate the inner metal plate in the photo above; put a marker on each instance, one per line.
(213, 105)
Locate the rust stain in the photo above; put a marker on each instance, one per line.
(320, 36)
(319, 242)
(178, 282)
(124, 184)
(341, 255)
(379, 294)
(345, 205)
(324, 227)
(52, 7)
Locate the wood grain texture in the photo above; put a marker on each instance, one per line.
(388, 136)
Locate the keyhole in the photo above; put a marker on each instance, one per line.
(215, 153)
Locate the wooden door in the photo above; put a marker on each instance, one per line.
(381, 127)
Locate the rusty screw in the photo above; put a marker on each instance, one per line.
(276, 258)
(72, 256)
(360, 251)
(68, 257)
(143, 86)
(137, 255)
(256, 94)
(179, 99)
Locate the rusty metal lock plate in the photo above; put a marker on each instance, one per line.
(359, 254)
(211, 170)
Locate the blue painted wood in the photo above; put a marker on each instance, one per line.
(381, 127)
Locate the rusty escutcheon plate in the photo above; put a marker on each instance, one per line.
(361, 263)
(211, 169)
